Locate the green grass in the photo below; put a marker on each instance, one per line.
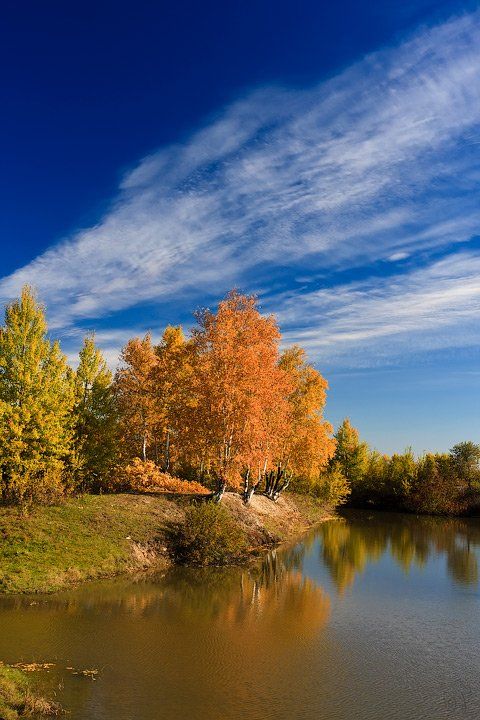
(17, 698)
(97, 536)
(85, 538)
(13, 686)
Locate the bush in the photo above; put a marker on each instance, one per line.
(334, 488)
(25, 488)
(330, 487)
(436, 489)
(145, 476)
(209, 537)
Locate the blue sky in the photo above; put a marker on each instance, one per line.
(325, 156)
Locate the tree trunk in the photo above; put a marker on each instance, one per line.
(144, 447)
(167, 452)
(275, 483)
(249, 488)
(220, 492)
(248, 494)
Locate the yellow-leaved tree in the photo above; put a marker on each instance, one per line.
(95, 420)
(134, 389)
(172, 390)
(36, 401)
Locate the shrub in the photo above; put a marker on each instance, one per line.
(145, 476)
(24, 487)
(333, 487)
(209, 536)
(330, 486)
(436, 489)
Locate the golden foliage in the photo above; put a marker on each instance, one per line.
(145, 476)
(36, 403)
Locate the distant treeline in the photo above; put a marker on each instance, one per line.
(434, 483)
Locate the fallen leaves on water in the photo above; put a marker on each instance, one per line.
(92, 673)
(33, 667)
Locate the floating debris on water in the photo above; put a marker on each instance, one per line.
(33, 667)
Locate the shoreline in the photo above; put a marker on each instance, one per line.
(95, 537)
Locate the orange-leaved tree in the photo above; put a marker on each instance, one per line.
(172, 387)
(237, 384)
(305, 445)
(134, 387)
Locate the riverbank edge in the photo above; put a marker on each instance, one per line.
(102, 536)
(19, 697)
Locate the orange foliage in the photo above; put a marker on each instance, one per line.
(225, 402)
(238, 385)
(145, 476)
(171, 379)
(308, 444)
(133, 384)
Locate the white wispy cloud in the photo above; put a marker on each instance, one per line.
(434, 307)
(379, 163)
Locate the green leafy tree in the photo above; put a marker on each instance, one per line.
(466, 462)
(351, 455)
(400, 477)
(36, 400)
(375, 478)
(435, 488)
(95, 415)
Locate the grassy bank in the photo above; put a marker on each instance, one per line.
(18, 698)
(99, 536)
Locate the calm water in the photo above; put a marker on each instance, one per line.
(377, 617)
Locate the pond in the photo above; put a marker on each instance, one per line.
(373, 617)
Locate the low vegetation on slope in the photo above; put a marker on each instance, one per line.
(82, 539)
(97, 536)
(17, 698)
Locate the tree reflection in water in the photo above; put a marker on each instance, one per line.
(347, 547)
(271, 597)
(195, 640)
(266, 594)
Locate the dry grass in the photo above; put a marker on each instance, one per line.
(267, 523)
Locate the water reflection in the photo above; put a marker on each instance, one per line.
(272, 597)
(347, 547)
(263, 642)
(256, 596)
(179, 643)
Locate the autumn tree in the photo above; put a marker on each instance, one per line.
(304, 443)
(36, 400)
(238, 386)
(95, 419)
(434, 489)
(134, 389)
(401, 473)
(371, 487)
(172, 389)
